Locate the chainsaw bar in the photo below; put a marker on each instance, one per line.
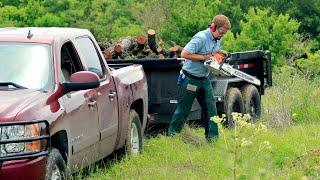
(228, 70)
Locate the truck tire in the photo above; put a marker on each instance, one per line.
(234, 103)
(56, 167)
(252, 101)
(133, 143)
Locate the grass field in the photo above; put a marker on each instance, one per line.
(277, 153)
(284, 145)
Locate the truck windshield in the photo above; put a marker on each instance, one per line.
(26, 64)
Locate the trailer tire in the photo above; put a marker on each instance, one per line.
(252, 101)
(133, 143)
(234, 103)
(56, 167)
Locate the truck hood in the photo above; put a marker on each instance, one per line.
(13, 101)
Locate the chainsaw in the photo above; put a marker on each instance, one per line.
(219, 66)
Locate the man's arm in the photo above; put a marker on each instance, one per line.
(195, 57)
(194, 46)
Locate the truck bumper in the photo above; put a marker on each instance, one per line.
(24, 169)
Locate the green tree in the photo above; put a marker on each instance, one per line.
(263, 29)
(307, 12)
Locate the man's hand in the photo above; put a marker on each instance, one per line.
(219, 57)
(225, 53)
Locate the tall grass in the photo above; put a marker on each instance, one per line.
(293, 98)
(289, 148)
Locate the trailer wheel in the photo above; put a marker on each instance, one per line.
(56, 167)
(133, 143)
(252, 102)
(234, 103)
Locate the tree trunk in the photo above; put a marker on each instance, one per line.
(152, 41)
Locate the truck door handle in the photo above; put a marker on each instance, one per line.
(112, 94)
(92, 103)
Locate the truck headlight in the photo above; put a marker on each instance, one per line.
(16, 132)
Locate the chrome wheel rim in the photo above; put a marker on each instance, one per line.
(56, 174)
(135, 142)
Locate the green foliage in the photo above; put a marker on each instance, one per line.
(311, 66)
(105, 18)
(263, 29)
(10, 16)
(49, 20)
(176, 20)
(122, 27)
(307, 12)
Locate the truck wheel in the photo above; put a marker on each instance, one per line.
(252, 102)
(133, 144)
(56, 167)
(234, 103)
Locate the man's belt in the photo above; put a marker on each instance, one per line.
(192, 76)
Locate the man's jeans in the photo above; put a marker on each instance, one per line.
(190, 89)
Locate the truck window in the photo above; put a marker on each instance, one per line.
(90, 55)
(70, 62)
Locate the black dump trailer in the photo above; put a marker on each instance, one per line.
(231, 94)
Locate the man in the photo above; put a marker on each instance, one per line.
(193, 79)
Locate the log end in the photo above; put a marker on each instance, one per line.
(176, 48)
(151, 32)
(159, 50)
(118, 48)
(141, 40)
(107, 54)
(161, 56)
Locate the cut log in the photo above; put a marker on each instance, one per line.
(141, 41)
(117, 52)
(107, 54)
(139, 47)
(175, 51)
(118, 49)
(161, 42)
(171, 54)
(162, 51)
(176, 48)
(152, 40)
(127, 43)
(161, 56)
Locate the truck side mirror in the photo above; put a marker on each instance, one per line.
(82, 80)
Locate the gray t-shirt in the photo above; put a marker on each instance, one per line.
(201, 43)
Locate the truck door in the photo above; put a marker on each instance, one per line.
(81, 113)
(107, 101)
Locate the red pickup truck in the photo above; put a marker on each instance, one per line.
(61, 106)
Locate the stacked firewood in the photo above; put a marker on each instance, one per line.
(140, 47)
